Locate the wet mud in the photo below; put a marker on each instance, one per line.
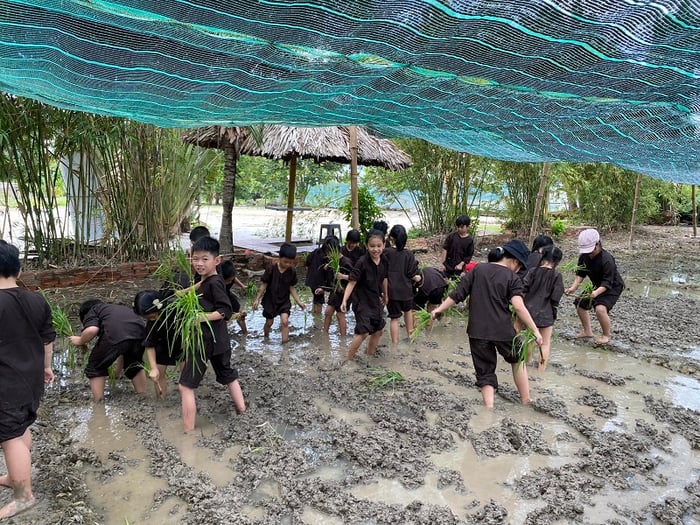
(612, 435)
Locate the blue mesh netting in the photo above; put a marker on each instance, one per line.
(530, 80)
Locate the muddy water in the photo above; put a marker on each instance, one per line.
(324, 429)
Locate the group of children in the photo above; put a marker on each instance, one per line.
(365, 280)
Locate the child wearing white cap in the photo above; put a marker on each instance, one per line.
(599, 266)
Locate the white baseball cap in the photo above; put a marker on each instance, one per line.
(587, 240)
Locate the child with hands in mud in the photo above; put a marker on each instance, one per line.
(599, 266)
(368, 286)
(403, 275)
(26, 349)
(163, 346)
(278, 283)
(214, 300)
(491, 289)
(119, 333)
(337, 283)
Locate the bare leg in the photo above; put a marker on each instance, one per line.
(27, 440)
(284, 327)
(18, 457)
(316, 308)
(139, 382)
(328, 318)
(546, 346)
(234, 388)
(374, 342)
(97, 387)
(189, 407)
(408, 319)
(342, 323)
(267, 327)
(601, 312)
(488, 393)
(355, 345)
(585, 322)
(521, 381)
(241, 323)
(394, 330)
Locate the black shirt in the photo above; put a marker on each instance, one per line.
(278, 284)
(459, 249)
(213, 297)
(602, 271)
(369, 279)
(117, 323)
(402, 267)
(543, 288)
(490, 287)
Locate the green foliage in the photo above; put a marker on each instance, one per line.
(442, 183)
(558, 228)
(59, 318)
(368, 209)
(187, 314)
(520, 183)
(422, 321)
(522, 343)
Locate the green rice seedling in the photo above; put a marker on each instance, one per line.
(587, 290)
(334, 260)
(112, 377)
(251, 289)
(422, 320)
(452, 284)
(185, 315)
(172, 263)
(571, 266)
(522, 342)
(384, 378)
(59, 318)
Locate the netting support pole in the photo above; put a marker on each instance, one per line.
(695, 211)
(354, 190)
(538, 201)
(290, 198)
(634, 208)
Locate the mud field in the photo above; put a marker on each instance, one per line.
(612, 436)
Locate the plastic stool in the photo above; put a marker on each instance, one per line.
(329, 229)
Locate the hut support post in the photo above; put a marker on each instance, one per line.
(634, 207)
(538, 201)
(354, 190)
(290, 198)
(695, 211)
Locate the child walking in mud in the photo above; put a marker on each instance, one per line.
(213, 298)
(491, 289)
(26, 349)
(403, 273)
(317, 274)
(163, 346)
(228, 272)
(599, 266)
(368, 286)
(119, 333)
(543, 287)
(278, 284)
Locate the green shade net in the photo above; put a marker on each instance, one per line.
(528, 80)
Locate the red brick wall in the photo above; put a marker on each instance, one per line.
(60, 277)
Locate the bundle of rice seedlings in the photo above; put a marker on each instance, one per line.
(59, 318)
(522, 342)
(172, 263)
(453, 283)
(422, 319)
(587, 290)
(185, 320)
(385, 378)
(251, 289)
(334, 260)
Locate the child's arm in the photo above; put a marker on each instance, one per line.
(348, 292)
(261, 292)
(577, 280)
(524, 315)
(48, 357)
(88, 334)
(385, 291)
(295, 295)
(238, 282)
(154, 374)
(444, 306)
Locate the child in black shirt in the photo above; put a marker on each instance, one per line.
(26, 349)
(491, 289)
(278, 284)
(367, 283)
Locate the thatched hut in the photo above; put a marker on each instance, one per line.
(287, 143)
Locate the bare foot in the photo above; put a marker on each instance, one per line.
(603, 340)
(16, 506)
(583, 335)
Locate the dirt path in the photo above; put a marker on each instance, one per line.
(613, 435)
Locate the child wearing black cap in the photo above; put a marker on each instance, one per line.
(278, 284)
(491, 289)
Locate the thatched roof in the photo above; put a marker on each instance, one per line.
(320, 144)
